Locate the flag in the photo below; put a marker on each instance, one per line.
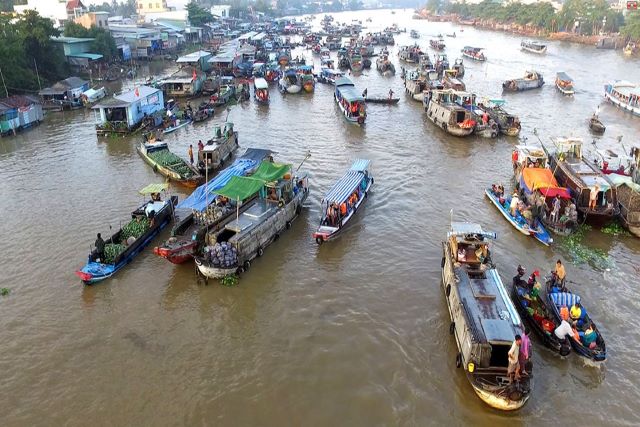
(194, 75)
(136, 92)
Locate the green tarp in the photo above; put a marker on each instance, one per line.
(154, 188)
(268, 171)
(241, 187)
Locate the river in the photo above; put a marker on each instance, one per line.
(354, 332)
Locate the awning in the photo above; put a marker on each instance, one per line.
(360, 165)
(268, 171)
(535, 178)
(154, 188)
(241, 187)
(91, 56)
(344, 187)
(552, 192)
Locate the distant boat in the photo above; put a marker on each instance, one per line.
(564, 83)
(414, 34)
(474, 53)
(350, 102)
(437, 44)
(596, 125)
(179, 124)
(533, 47)
(624, 95)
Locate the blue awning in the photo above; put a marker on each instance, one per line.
(344, 187)
(360, 165)
(91, 56)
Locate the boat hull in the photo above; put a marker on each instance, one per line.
(168, 173)
(499, 402)
(176, 255)
(635, 110)
(565, 91)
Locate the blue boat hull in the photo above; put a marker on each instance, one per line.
(519, 223)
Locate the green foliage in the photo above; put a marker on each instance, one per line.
(631, 26)
(115, 8)
(542, 15)
(104, 43)
(4, 291)
(579, 253)
(615, 229)
(230, 280)
(24, 42)
(197, 15)
(433, 5)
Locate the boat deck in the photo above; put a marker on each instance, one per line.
(251, 218)
(586, 173)
(489, 311)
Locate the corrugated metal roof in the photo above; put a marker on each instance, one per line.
(344, 187)
(194, 57)
(92, 56)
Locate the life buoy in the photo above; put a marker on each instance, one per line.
(452, 327)
(260, 252)
(458, 360)
(319, 240)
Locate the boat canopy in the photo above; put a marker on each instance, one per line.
(198, 199)
(241, 187)
(472, 49)
(360, 165)
(154, 188)
(564, 77)
(261, 83)
(347, 90)
(542, 179)
(465, 228)
(269, 171)
(619, 180)
(344, 188)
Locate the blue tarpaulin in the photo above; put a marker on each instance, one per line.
(198, 199)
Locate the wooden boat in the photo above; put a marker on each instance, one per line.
(385, 66)
(307, 80)
(531, 80)
(414, 34)
(180, 123)
(536, 230)
(629, 203)
(442, 110)
(533, 47)
(350, 102)
(437, 44)
(204, 112)
(533, 309)
(573, 172)
(261, 91)
(484, 321)
(508, 124)
(450, 81)
(290, 82)
(123, 246)
(458, 66)
(381, 100)
(350, 191)
(224, 95)
(596, 125)
(246, 236)
(416, 85)
(218, 149)
(624, 95)
(410, 54)
(614, 163)
(166, 163)
(564, 83)
(451, 35)
(474, 53)
(355, 62)
(560, 297)
(329, 75)
(203, 210)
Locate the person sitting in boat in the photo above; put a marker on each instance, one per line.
(575, 312)
(155, 197)
(462, 254)
(273, 196)
(563, 330)
(527, 214)
(590, 336)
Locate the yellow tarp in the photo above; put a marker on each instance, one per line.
(536, 178)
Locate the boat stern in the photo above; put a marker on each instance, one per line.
(94, 272)
(503, 403)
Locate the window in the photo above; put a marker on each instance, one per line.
(150, 5)
(140, 6)
(157, 5)
(99, 23)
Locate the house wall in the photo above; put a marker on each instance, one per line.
(30, 115)
(74, 48)
(9, 120)
(150, 6)
(148, 105)
(90, 19)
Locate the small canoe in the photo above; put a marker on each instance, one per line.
(558, 298)
(382, 100)
(519, 223)
(535, 311)
(596, 125)
(179, 124)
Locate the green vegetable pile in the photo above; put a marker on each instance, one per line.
(4, 291)
(580, 254)
(615, 229)
(169, 160)
(111, 252)
(229, 280)
(135, 228)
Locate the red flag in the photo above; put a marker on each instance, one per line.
(195, 76)
(137, 92)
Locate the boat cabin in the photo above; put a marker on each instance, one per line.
(184, 82)
(611, 162)
(224, 63)
(350, 100)
(19, 112)
(125, 111)
(261, 90)
(528, 156)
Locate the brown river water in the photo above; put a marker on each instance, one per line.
(354, 332)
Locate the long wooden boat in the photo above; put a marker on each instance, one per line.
(350, 101)
(384, 66)
(414, 34)
(204, 112)
(123, 246)
(564, 83)
(533, 47)
(203, 210)
(437, 44)
(484, 321)
(445, 113)
(261, 91)
(533, 309)
(557, 298)
(382, 100)
(218, 149)
(410, 54)
(474, 53)
(346, 195)
(596, 125)
(572, 171)
(531, 80)
(508, 124)
(244, 238)
(536, 230)
(624, 95)
(166, 163)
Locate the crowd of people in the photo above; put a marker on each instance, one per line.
(336, 212)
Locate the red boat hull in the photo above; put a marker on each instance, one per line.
(177, 254)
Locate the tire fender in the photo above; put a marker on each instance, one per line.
(452, 327)
(319, 240)
(458, 360)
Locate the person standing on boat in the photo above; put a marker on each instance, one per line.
(513, 206)
(191, 154)
(99, 244)
(560, 272)
(390, 94)
(593, 197)
(524, 353)
(200, 145)
(597, 113)
(364, 93)
(514, 355)
(556, 209)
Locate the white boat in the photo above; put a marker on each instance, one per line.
(533, 47)
(290, 82)
(624, 95)
(564, 83)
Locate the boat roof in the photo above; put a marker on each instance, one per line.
(256, 154)
(361, 165)
(626, 88)
(154, 188)
(461, 229)
(261, 83)
(564, 76)
(348, 90)
(532, 151)
(475, 49)
(344, 188)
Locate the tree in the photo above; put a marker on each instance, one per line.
(104, 43)
(355, 5)
(36, 32)
(631, 27)
(198, 16)
(433, 5)
(71, 29)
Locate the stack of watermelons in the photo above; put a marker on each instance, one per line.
(223, 255)
(169, 160)
(111, 252)
(135, 228)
